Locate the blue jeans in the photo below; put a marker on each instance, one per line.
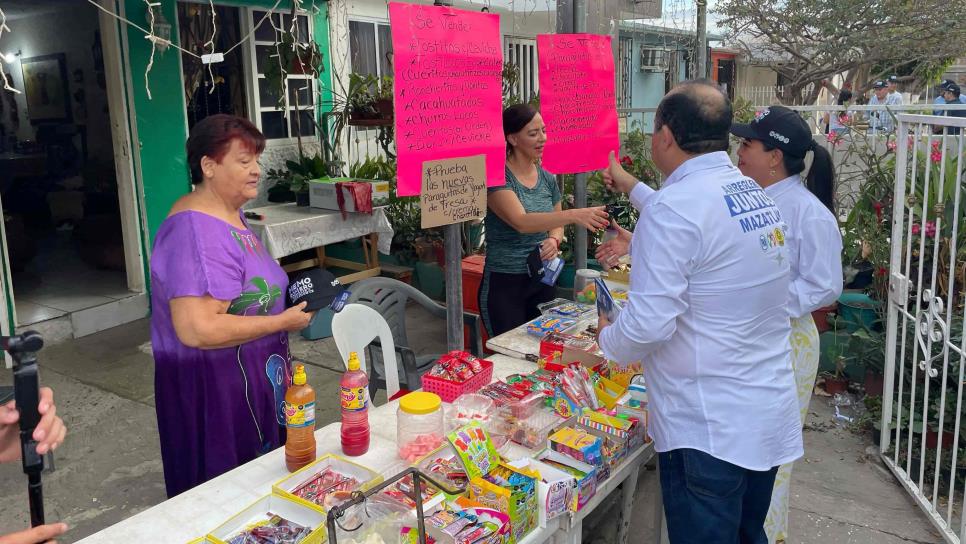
(707, 500)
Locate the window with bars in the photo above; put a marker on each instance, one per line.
(293, 114)
(625, 52)
(370, 48)
(522, 53)
(225, 92)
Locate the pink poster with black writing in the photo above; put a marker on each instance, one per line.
(447, 65)
(577, 101)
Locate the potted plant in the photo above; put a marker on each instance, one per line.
(292, 184)
(384, 98)
(837, 382)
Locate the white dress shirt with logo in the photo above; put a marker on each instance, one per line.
(706, 312)
(814, 245)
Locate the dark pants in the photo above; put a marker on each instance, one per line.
(510, 300)
(707, 500)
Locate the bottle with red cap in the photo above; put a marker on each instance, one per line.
(355, 408)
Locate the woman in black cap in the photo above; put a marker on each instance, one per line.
(773, 150)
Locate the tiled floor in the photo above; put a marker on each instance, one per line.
(57, 282)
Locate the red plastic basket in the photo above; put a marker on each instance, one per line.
(450, 390)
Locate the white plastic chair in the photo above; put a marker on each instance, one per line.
(354, 328)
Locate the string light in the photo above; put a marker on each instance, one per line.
(5, 56)
(211, 45)
(159, 41)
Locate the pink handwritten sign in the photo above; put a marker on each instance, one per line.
(577, 101)
(448, 89)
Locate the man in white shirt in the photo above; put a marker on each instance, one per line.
(706, 312)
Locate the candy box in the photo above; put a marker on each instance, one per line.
(556, 489)
(512, 491)
(583, 473)
(449, 523)
(612, 450)
(622, 374)
(613, 425)
(544, 324)
(291, 512)
(579, 444)
(636, 411)
(313, 483)
(609, 392)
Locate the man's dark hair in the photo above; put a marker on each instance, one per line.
(698, 115)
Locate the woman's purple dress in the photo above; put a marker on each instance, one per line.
(218, 408)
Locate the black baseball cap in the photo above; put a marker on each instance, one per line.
(952, 88)
(780, 127)
(879, 84)
(945, 83)
(317, 286)
(893, 79)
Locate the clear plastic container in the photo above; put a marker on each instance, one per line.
(584, 289)
(419, 425)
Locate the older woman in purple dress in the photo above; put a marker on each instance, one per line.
(219, 326)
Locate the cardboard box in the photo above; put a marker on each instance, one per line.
(322, 193)
(585, 474)
(519, 502)
(292, 511)
(556, 490)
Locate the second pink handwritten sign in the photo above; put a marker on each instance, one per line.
(448, 89)
(577, 101)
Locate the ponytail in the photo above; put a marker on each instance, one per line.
(821, 177)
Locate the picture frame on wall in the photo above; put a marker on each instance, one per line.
(45, 88)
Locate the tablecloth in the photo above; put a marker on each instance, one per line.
(288, 228)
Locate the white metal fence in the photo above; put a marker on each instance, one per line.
(925, 344)
(766, 95)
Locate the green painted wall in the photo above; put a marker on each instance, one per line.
(160, 122)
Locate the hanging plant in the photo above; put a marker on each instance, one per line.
(303, 58)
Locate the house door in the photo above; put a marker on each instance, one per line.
(73, 244)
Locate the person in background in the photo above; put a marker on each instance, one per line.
(952, 94)
(895, 97)
(941, 96)
(219, 327)
(521, 215)
(838, 120)
(772, 152)
(706, 313)
(881, 120)
(49, 434)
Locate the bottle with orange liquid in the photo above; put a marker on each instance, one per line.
(300, 422)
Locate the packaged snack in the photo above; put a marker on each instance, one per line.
(578, 444)
(272, 530)
(542, 325)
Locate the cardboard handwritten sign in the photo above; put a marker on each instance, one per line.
(454, 190)
(578, 101)
(448, 67)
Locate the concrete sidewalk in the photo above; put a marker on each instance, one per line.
(109, 468)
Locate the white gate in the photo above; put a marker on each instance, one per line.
(925, 341)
